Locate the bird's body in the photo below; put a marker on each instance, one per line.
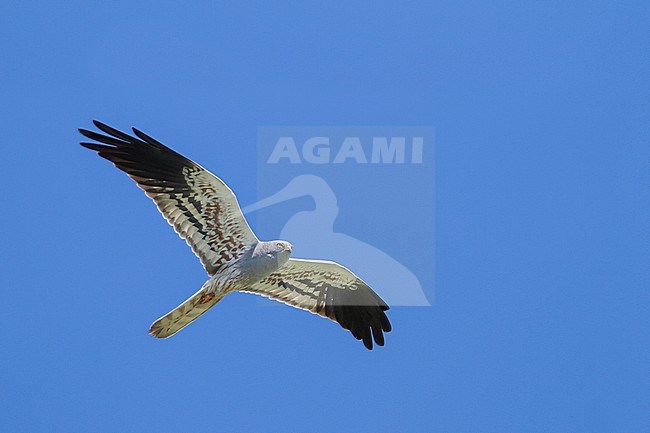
(205, 212)
(257, 262)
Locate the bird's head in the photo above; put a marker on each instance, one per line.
(278, 252)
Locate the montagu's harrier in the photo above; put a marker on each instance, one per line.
(204, 212)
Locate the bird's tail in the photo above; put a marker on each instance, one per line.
(184, 314)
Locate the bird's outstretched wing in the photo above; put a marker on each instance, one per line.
(200, 207)
(332, 291)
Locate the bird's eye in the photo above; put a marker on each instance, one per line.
(279, 247)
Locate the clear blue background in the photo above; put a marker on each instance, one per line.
(541, 113)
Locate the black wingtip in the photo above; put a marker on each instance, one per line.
(148, 139)
(99, 124)
(93, 146)
(378, 335)
(113, 132)
(84, 132)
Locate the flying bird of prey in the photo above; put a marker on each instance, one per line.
(204, 212)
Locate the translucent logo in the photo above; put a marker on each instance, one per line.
(360, 196)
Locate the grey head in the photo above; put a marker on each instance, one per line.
(270, 256)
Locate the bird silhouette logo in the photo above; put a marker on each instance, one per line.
(312, 231)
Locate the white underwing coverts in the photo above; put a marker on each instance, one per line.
(204, 212)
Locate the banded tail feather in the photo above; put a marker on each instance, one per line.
(187, 312)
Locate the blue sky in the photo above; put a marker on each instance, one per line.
(541, 274)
